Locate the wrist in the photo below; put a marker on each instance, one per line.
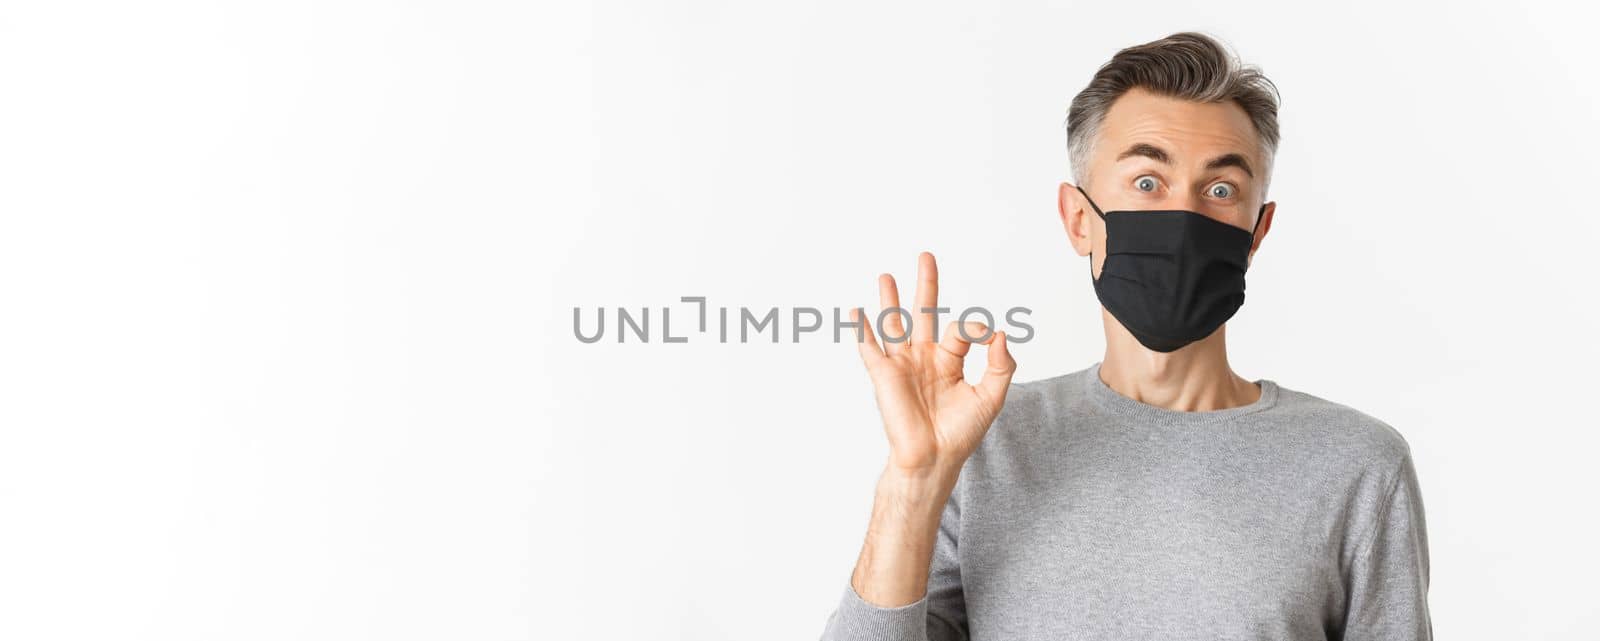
(926, 488)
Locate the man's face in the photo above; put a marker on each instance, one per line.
(1156, 152)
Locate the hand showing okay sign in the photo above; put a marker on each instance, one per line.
(934, 419)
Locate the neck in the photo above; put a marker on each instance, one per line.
(1194, 378)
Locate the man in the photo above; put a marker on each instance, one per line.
(1155, 494)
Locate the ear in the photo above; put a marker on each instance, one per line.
(1263, 227)
(1074, 218)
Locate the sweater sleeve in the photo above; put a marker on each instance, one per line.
(1388, 580)
(940, 615)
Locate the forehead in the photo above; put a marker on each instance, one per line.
(1191, 131)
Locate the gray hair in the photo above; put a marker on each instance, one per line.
(1187, 65)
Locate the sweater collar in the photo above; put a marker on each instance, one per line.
(1115, 403)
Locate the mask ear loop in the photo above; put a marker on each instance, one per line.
(1102, 217)
(1259, 215)
(1097, 207)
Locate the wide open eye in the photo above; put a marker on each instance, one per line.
(1145, 183)
(1222, 190)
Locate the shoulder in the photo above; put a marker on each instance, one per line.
(1032, 417)
(1032, 404)
(1341, 432)
(1365, 460)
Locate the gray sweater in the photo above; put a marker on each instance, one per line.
(1085, 514)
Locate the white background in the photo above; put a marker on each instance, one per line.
(286, 295)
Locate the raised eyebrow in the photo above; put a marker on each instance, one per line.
(1231, 160)
(1148, 151)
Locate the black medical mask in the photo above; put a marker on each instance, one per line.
(1171, 277)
